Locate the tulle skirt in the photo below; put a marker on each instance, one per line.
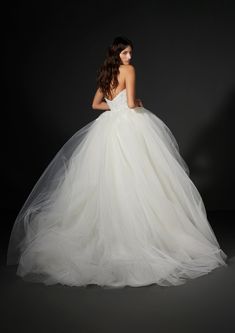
(115, 207)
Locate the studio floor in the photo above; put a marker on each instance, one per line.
(205, 304)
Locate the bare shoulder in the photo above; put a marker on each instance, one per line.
(127, 68)
(128, 72)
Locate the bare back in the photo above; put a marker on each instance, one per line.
(121, 82)
(126, 80)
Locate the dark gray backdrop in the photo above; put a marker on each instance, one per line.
(184, 55)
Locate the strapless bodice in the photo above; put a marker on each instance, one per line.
(119, 102)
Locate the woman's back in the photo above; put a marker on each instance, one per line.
(121, 82)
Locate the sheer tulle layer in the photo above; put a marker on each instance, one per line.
(115, 207)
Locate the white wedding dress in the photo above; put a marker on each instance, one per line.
(115, 207)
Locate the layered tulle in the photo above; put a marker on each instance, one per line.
(115, 207)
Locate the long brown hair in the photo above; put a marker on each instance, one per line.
(109, 70)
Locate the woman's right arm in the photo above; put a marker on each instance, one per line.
(98, 103)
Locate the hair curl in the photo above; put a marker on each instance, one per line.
(108, 71)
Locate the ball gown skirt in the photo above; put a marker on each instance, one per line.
(115, 207)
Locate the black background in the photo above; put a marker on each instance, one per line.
(184, 55)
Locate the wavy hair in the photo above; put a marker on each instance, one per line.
(107, 73)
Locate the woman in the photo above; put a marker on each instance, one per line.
(115, 206)
(117, 74)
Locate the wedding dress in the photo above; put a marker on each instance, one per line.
(115, 207)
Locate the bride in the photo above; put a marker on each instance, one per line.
(116, 205)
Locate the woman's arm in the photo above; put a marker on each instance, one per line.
(98, 103)
(130, 79)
